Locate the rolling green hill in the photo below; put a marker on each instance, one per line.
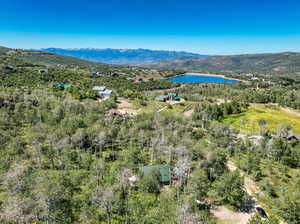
(287, 63)
(23, 68)
(3, 50)
(44, 58)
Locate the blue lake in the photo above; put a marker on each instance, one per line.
(190, 78)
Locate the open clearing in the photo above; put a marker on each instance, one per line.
(275, 116)
(226, 216)
(125, 107)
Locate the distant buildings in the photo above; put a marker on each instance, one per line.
(96, 74)
(140, 79)
(289, 136)
(292, 136)
(43, 71)
(9, 68)
(102, 92)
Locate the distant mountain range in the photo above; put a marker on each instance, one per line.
(282, 64)
(122, 56)
(23, 62)
(286, 63)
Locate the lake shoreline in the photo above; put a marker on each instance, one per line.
(222, 76)
(208, 74)
(203, 78)
(213, 75)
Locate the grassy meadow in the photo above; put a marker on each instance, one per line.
(248, 122)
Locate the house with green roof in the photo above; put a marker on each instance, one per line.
(168, 97)
(173, 96)
(62, 85)
(164, 170)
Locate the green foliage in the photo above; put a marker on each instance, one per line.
(230, 189)
(65, 158)
(199, 184)
(151, 182)
(290, 206)
(258, 220)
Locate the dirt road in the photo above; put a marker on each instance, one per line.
(226, 216)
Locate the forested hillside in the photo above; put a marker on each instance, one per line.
(284, 64)
(204, 153)
(24, 68)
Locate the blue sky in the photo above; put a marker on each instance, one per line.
(203, 26)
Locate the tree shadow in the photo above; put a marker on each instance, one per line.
(249, 205)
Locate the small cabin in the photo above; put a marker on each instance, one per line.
(106, 93)
(173, 96)
(102, 92)
(62, 86)
(164, 170)
(168, 97)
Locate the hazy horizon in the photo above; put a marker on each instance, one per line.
(205, 27)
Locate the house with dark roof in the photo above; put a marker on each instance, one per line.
(9, 68)
(292, 136)
(289, 136)
(43, 70)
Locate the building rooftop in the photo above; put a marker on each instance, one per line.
(172, 94)
(161, 97)
(62, 85)
(107, 92)
(165, 171)
(99, 88)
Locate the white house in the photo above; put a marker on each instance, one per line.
(102, 92)
(105, 94)
(99, 88)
